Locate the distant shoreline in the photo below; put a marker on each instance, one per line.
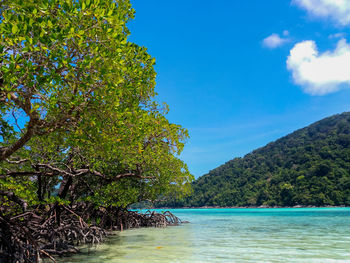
(246, 207)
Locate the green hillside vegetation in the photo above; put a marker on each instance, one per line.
(310, 166)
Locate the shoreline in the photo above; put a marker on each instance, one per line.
(247, 207)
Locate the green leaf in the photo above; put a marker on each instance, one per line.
(14, 29)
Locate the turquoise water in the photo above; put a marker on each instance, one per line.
(235, 235)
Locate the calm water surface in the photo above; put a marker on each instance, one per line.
(235, 235)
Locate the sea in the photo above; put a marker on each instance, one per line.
(233, 235)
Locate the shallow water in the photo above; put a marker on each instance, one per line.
(234, 235)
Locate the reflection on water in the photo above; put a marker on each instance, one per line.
(234, 235)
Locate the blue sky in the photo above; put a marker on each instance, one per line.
(239, 74)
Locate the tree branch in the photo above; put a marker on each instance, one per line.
(17, 161)
(6, 152)
(12, 197)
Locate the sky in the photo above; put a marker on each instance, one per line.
(239, 74)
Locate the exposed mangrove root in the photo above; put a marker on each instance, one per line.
(58, 231)
(27, 237)
(113, 218)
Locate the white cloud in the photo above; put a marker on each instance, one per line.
(274, 40)
(337, 10)
(317, 73)
(336, 35)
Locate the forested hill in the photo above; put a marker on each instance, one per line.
(310, 166)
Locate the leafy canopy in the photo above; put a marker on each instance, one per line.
(78, 114)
